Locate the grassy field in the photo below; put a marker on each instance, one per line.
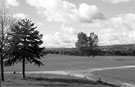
(75, 63)
(62, 62)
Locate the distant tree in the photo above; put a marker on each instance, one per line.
(5, 22)
(81, 43)
(87, 45)
(25, 43)
(93, 44)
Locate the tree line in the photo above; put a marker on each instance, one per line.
(119, 50)
(20, 41)
(88, 46)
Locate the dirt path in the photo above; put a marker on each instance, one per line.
(101, 69)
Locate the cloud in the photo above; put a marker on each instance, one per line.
(89, 12)
(12, 3)
(66, 12)
(117, 1)
(65, 38)
(70, 30)
(20, 16)
(39, 23)
(117, 30)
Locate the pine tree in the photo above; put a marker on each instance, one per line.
(25, 43)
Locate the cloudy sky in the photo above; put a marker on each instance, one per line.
(60, 20)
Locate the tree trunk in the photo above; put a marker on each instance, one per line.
(1, 44)
(23, 67)
(2, 69)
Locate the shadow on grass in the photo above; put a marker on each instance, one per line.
(70, 81)
(53, 85)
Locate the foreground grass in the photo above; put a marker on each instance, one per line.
(65, 62)
(123, 75)
(40, 80)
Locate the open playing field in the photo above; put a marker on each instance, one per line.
(85, 65)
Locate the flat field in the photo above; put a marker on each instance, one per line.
(63, 62)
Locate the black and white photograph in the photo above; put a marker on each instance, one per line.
(67, 43)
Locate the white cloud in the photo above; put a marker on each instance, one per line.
(65, 38)
(70, 30)
(89, 12)
(117, 1)
(118, 30)
(64, 11)
(12, 3)
(39, 23)
(20, 16)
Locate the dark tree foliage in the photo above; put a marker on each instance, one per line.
(92, 48)
(82, 43)
(87, 45)
(25, 43)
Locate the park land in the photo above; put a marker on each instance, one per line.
(84, 65)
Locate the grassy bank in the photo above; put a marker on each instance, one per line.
(123, 75)
(49, 80)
